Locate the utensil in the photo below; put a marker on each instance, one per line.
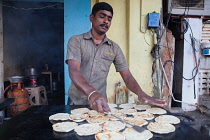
(32, 71)
(135, 127)
(16, 78)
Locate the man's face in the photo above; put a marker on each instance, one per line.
(101, 21)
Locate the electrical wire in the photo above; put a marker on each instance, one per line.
(177, 67)
(193, 40)
(3, 95)
(32, 8)
(178, 22)
(170, 89)
(193, 75)
(145, 39)
(194, 85)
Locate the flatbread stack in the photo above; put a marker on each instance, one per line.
(161, 127)
(168, 118)
(113, 125)
(156, 111)
(142, 107)
(59, 117)
(135, 121)
(78, 117)
(109, 135)
(94, 113)
(131, 134)
(97, 119)
(88, 129)
(128, 111)
(64, 126)
(127, 105)
(80, 111)
(145, 115)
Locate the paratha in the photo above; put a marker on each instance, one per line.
(113, 125)
(128, 111)
(78, 117)
(120, 115)
(131, 134)
(80, 111)
(145, 115)
(97, 119)
(109, 135)
(94, 113)
(59, 117)
(64, 126)
(156, 111)
(142, 107)
(112, 105)
(161, 127)
(114, 110)
(168, 118)
(135, 121)
(88, 129)
(126, 105)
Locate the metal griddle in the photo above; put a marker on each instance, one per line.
(34, 124)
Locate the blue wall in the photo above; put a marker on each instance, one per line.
(76, 21)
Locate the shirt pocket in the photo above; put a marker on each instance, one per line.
(107, 60)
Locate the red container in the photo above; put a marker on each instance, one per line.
(33, 81)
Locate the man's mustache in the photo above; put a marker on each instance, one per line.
(104, 25)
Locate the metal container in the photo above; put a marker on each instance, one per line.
(32, 71)
(16, 78)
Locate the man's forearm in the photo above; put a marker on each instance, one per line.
(133, 86)
(131, 83)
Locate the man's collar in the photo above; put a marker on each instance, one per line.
(88, 35)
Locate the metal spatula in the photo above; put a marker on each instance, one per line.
(135, 127)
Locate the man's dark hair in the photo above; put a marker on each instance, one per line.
(101, 6)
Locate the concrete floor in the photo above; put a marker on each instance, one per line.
(200, 119)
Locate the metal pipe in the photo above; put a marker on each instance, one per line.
(157, 64)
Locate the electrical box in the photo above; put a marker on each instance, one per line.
(206, 52)
(153, 20)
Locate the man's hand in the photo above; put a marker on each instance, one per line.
(133, 86)
(144, 98)
(99, 103)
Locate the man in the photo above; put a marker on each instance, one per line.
(89, 57)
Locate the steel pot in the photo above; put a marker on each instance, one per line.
(32, 71)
